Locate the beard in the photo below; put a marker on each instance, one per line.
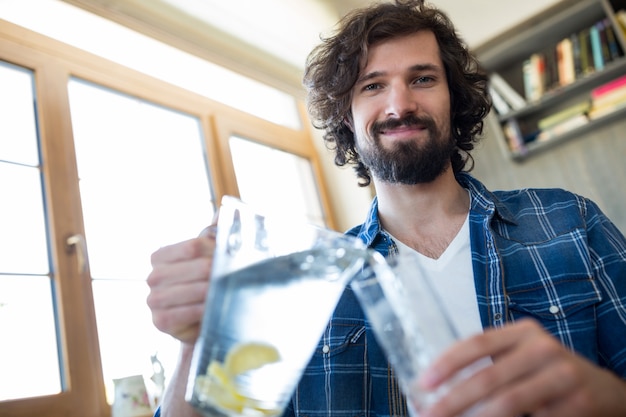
(409, 162)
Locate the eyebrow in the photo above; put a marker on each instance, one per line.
(414, 68)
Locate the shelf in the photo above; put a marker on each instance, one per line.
(580, 86)
(547, 28)
(517, 54)
(533, 148)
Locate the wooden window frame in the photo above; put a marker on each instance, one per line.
(53, 64)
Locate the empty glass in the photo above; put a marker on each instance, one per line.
(409, 321)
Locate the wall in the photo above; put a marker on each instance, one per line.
(592, 165)
(349, 202)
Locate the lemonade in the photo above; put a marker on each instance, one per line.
(261, 326)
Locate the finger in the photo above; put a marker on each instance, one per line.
(491, 343)
(529, 395)
(180, 293)
(182, 322)
(515, 377)
(189, 249)
(170, 274)
(209, 231)
(177, 310)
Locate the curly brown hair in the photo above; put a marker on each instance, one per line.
(332, 69)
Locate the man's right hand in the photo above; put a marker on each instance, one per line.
(178, 285)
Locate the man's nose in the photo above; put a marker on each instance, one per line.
(401, 101)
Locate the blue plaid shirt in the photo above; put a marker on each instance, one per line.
(546, 254)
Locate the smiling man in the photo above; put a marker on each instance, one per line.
(538, 277)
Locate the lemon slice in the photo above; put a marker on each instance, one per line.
(219, 386)
(248, 356)
(219, 381)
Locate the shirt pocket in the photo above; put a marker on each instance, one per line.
(333, 382)
(566, 308)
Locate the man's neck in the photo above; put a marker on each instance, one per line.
(423, 216)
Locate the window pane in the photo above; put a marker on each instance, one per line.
(143, 184)
(22, 225)
(143, 178)
(126, 337)
(29, 357)
(23, 246)
(28, 354)
(275, 180)
(18, 134)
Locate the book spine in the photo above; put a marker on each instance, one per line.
(596, 47)
(604, 41)
(563, 127)
(567, 113)
(578, 59)
(552, 72)
(615, 95)
(566, 63)
(620, 15)
(499, 103)
(614, 47)
(507, 92)
(514, 137)
(586, 54)
(534, 76)
(601, 111)
(608, 87)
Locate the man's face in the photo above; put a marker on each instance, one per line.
(401, 111)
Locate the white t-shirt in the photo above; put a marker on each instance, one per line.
(452, 278)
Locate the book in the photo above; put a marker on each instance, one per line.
(563, 115)
(563, 127)
(604, 41)
(513, 134)
(533, 71)
(499, 103)
(515, 100)
(576, 50)
(608, 87)
(534, 77)
(614, 47)
(551, 80)
(620, 16)
(596, 46)
(605, 110)
(567, 74)
(586, 54)
(614, 96)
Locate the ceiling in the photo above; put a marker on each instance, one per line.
(290, 28)
(270, 39)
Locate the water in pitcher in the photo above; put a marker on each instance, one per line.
(261, 327)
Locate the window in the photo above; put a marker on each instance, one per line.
(26, 281)
(143, 184)
(293, 189)
(101, 165)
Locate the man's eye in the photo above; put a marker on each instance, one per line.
(370, 87)
(424, 80)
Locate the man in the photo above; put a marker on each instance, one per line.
(543, 272)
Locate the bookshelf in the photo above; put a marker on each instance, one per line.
(542, 103)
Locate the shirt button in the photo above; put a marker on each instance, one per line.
(497, 317)
(326, 349)
(554, 309)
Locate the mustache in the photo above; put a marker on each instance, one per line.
(409, 120)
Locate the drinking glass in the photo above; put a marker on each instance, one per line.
(273, 288)
(409, 321)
